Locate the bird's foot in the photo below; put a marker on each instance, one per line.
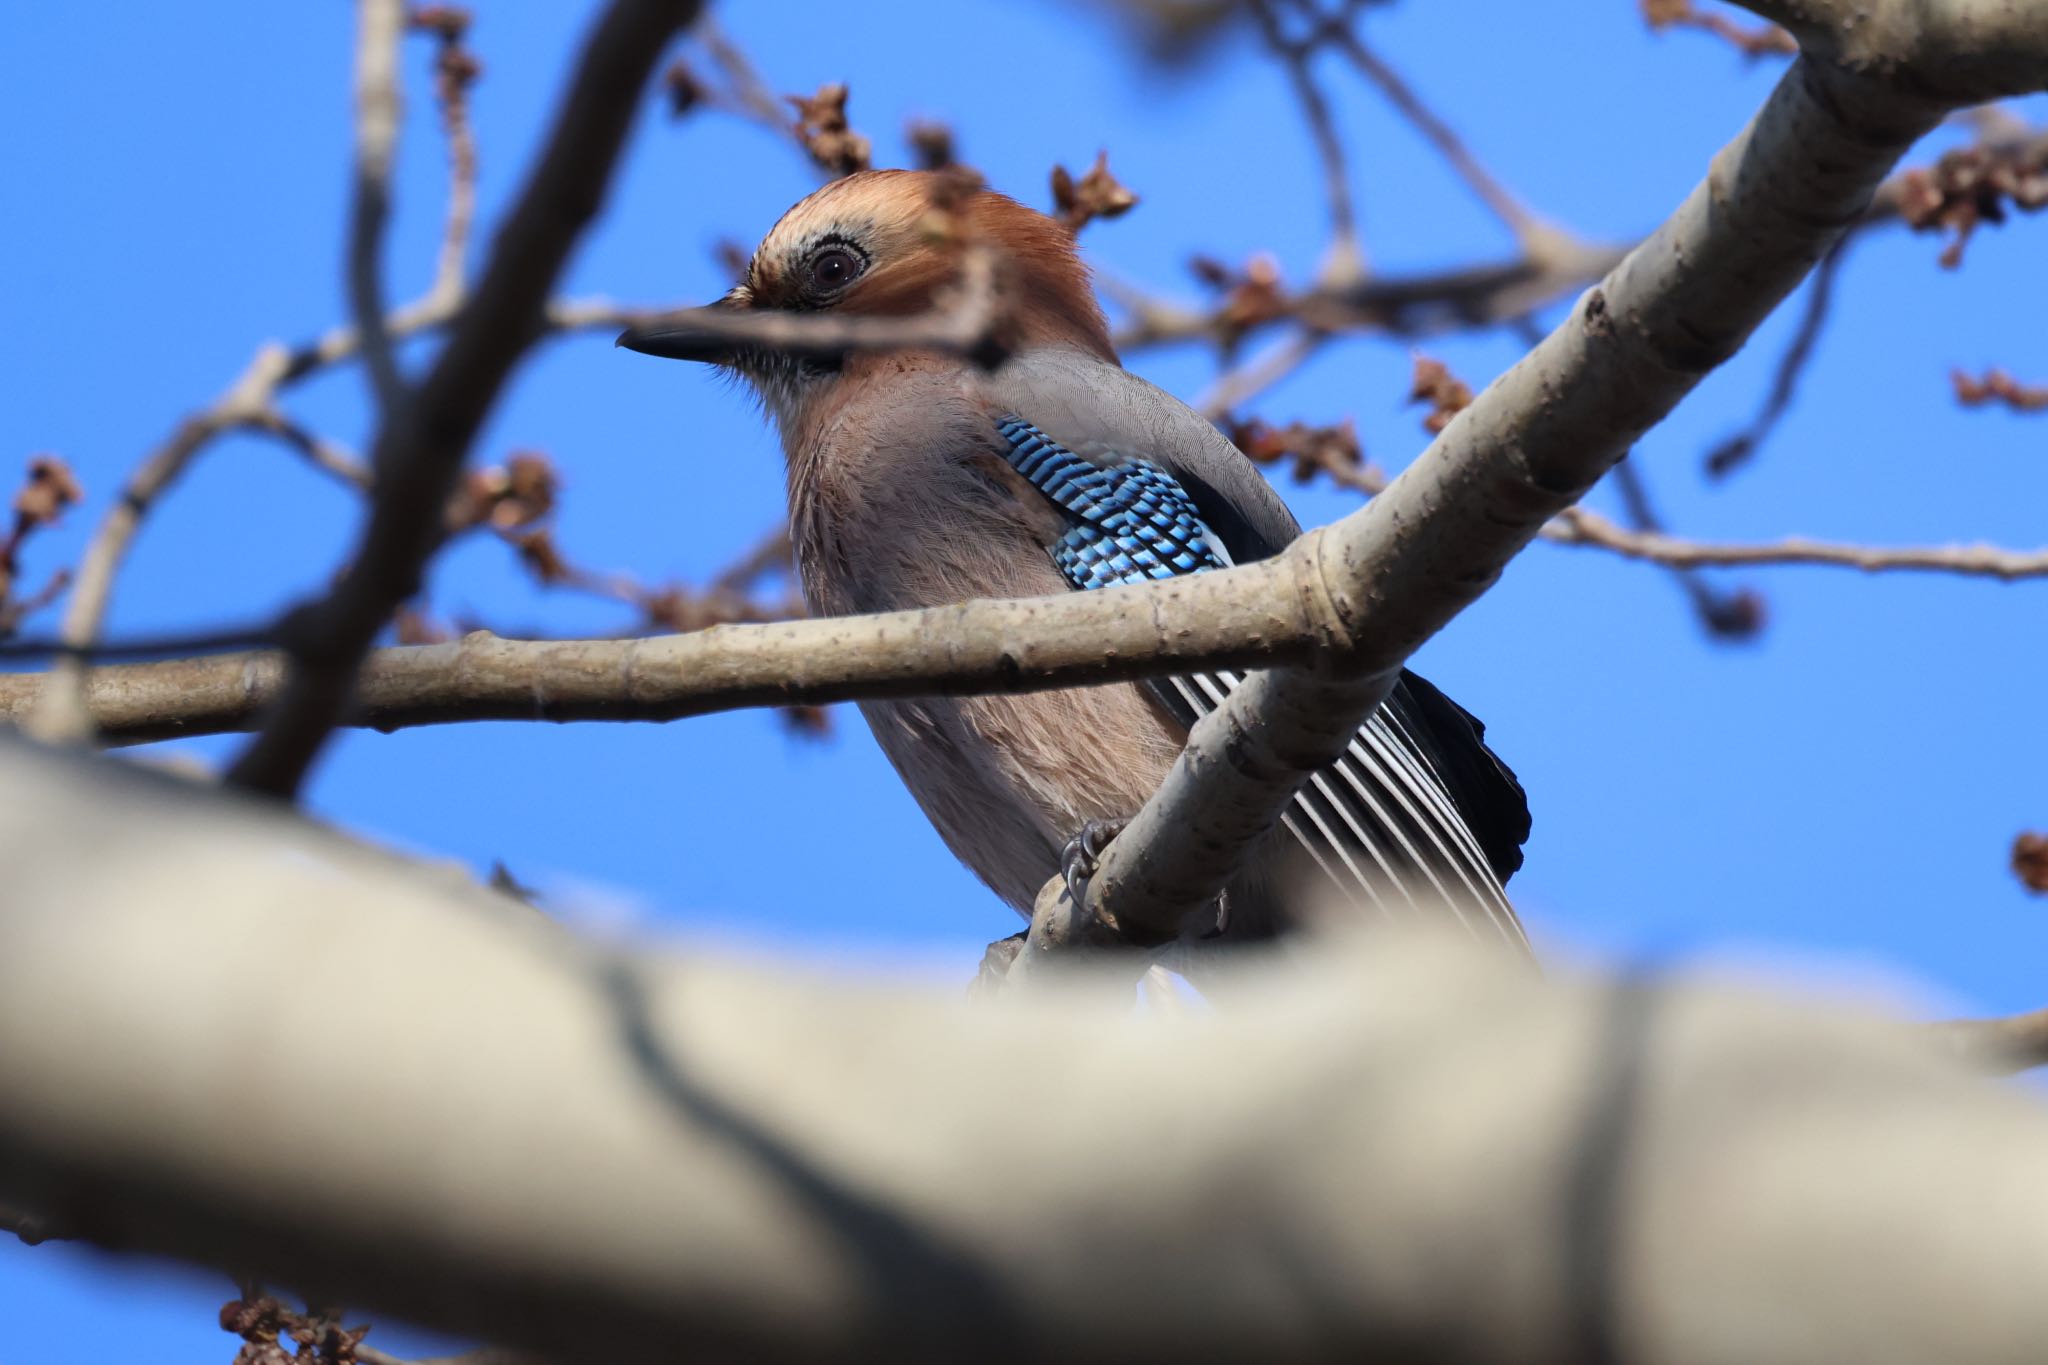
(1082, 855)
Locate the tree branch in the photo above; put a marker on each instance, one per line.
(380, 26)
(420, 448)
(1578, 526)
(1394, 573)
(601, 1155)
(1221, 620)
(1345, 262)
(63, 714)
(1239, 618)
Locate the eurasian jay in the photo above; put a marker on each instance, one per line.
(917, 479)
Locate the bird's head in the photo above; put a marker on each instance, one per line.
(889, 244)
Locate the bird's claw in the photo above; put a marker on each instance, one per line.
(1082, 854)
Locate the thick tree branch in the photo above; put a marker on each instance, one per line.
(421, 446)
(1217, 620)
(1775, 200)
(604, 1156)
(1240, 618)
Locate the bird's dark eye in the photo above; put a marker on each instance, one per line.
(834, 268)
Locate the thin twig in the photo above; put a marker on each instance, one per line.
(455, 70)
(1729, 616)
(62, 717)
(1579, 526)
(420, 448)
(1246, 381)
(1737, 450)
(1345, 262)
(745, 92)
(1530, 230)
(380, 28)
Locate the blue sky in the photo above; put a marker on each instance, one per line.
(1837, 794)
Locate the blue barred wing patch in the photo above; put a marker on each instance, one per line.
(1378, 822)
(1132, 520)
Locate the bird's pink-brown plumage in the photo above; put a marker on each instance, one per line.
(902, 494)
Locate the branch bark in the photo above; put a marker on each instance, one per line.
(602, 1155)
(1236, 619)
(1395, 572)
(380, 28)
(1239, 618)
(421, 445)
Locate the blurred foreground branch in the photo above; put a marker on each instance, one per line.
(423, 439)
(760, 1164)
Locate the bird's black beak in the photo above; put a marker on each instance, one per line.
(691, 334)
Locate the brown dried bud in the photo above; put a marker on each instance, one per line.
(1332, 449)
(932, 143)
(685, 92)
(822, 128)
(1998, 386)
(51, 487)
(414, 627)
(446, 22)
(1446, 394)
(2030, 861)
(807, 721)
(1098, 194)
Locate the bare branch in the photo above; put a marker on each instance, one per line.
(1538, 238)
(420, 448)
(456, 69)
(1737, 450)
(1577, 526)
(737, 1163)
(63, 715)
(1222, 619)
(1246, 381)
(1729, 616)
(1395, 572)
(380, 25)
(1490, 293)
(1345, 262)
(979, 647)
(1476, 296)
